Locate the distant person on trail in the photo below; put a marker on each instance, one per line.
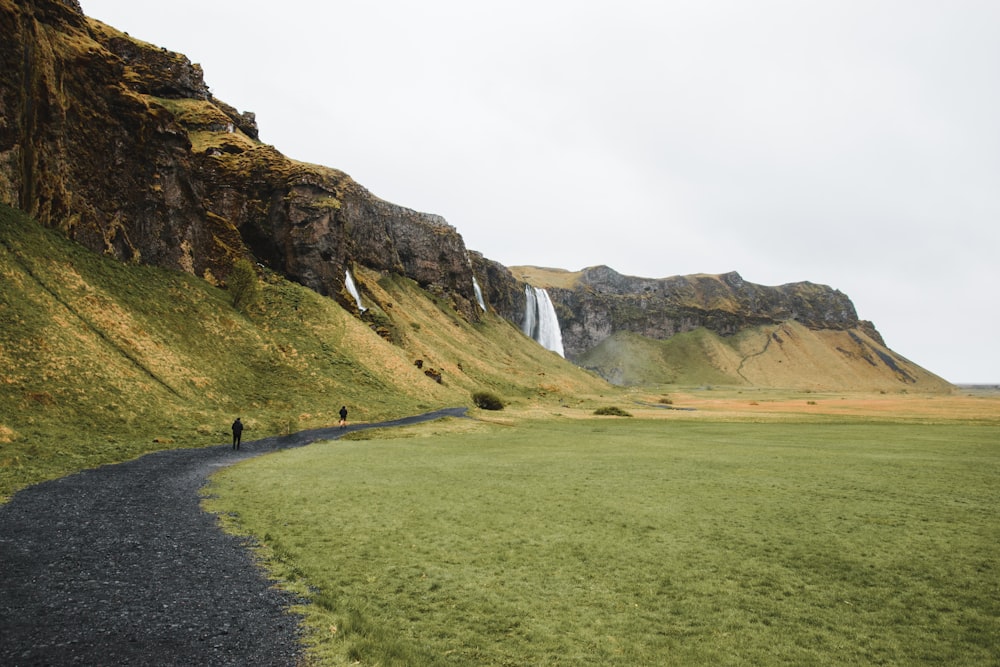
(237, 433)
(343, 416)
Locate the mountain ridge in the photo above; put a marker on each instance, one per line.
(818, 340)
(122, 146)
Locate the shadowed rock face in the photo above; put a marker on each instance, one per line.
(501, 290)
(122, 145)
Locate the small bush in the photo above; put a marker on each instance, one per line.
(487, 401)
(244, 287)
(612, 411)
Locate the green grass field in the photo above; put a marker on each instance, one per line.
(636, 542)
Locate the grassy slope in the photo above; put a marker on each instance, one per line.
(787, 355)
(102, 362)
(546, 277)
(686, 359)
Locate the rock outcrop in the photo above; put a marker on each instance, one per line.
(601, 301)
(121, 145)
(503, 293)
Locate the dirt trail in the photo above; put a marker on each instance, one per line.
(119, 565)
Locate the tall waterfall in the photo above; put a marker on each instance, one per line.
(540, 321)
(479, 293)
(353, 289)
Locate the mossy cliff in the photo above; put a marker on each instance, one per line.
(721, 329)
(122, 146)
(597, 301)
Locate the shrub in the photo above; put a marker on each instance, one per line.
(487, 401)
(612, 410)
(243, 285)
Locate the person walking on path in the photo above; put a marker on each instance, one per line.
(343, 416)
(237, 433)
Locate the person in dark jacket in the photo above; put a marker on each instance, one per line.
(237, 433)
(343, 416)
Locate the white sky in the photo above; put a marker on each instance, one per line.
(853, 143)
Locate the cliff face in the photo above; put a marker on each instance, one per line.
(121, 145)
(602, 302)
(720, 329)
(503, 293)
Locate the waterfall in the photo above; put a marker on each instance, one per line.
(540, 321)
(353, 289)
(479, 293)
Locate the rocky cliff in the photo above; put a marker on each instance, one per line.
(721, 329)
(598, 301)
(121, 145)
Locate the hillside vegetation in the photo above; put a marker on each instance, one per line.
(787, 355)
(103, 361)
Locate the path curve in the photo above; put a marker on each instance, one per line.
(119, 565)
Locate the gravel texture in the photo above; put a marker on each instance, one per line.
(119, 565)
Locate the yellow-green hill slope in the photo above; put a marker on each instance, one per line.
(102, 361)
(787, 355)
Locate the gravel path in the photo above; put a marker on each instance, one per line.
(119, 565)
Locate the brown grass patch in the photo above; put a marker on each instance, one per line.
(753, 404)
(546, 277)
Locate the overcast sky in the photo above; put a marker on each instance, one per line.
(853, 143)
